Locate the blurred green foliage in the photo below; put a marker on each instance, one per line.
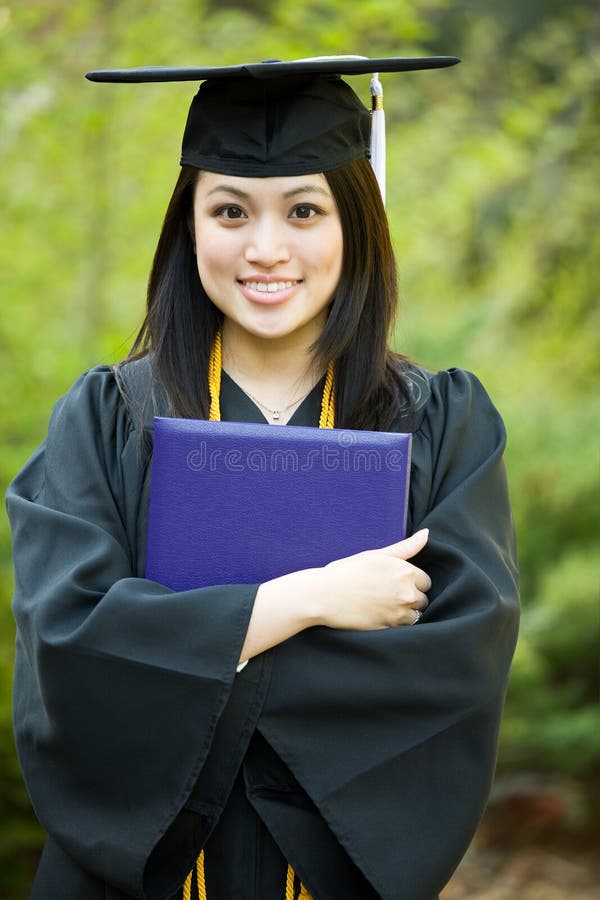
(493, 202)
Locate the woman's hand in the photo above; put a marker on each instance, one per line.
(375, 588)
(369, 590)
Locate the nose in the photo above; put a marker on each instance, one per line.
(267, 245)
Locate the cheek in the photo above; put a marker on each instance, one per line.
(213, 255)
(328, 252)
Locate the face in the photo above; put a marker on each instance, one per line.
(269, 251)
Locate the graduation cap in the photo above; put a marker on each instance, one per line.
(282, 118)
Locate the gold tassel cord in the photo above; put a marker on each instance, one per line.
(289, 884)
(215, 364)
(290, 887)
(200, 876)
(326, 420)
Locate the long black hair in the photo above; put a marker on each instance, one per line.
(181, 321)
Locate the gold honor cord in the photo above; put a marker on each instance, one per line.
(326, 420)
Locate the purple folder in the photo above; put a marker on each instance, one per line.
(241, 503)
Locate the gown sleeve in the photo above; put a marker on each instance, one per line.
(393, 733)
(120, 682)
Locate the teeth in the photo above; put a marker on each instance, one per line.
(269, 287)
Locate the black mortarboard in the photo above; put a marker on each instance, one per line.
(274, 117)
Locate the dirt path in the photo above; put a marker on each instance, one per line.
(539, 840)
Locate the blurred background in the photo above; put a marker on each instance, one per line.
(493, 198)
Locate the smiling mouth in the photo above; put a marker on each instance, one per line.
(269, 287)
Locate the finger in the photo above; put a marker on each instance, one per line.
(422, 580)
(419, 601)
(412, 616)
(410, 546)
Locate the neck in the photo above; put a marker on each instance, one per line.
(281, 366)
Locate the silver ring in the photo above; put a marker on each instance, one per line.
(417, 618)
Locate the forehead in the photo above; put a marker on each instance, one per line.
(210, 183)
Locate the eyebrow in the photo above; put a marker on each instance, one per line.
(307, 189)
(229, 189)
(301, 189)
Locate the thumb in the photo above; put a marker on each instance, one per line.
(410, 546)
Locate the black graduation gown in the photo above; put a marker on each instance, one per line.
(366, 756)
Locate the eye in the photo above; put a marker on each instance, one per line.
(230, 213)
(304, 212)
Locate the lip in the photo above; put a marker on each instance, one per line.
(268, 297)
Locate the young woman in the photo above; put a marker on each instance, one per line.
(331, 732)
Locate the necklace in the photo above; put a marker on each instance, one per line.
(275, 413)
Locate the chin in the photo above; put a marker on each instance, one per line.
(272, 331)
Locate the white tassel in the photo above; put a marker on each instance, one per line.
(378, 133)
